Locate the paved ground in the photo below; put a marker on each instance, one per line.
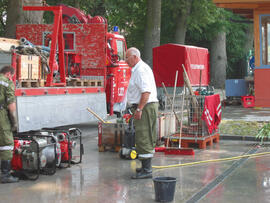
(245, 114)
(104, 177)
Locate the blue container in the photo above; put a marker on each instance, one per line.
(236, 87)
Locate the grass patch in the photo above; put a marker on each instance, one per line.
(242, 128)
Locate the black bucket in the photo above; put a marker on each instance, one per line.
(164, 188)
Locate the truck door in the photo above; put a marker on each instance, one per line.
(118, 74)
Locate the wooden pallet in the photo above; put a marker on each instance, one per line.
(93, 83)
(192, 141)
(41, 83)
(87, 83)
(29, 83)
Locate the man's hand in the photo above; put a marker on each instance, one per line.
(137, 115)
(14, 128)
(142, 103)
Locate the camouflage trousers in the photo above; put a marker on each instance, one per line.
(6, 137)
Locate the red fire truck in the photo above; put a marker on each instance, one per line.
(85, 68)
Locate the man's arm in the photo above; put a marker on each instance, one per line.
(13, 116)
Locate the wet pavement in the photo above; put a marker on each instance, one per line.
(103, 177)
(245, 114)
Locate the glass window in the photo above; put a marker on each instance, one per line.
(120, 49)
(69, 40)
(265, 39)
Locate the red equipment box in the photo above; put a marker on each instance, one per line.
(168, 58)
(248, 101)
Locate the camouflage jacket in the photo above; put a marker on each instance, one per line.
(7, 89)
(7, 97)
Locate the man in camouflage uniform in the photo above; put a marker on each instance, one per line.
(8, 123)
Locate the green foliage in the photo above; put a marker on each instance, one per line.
(130, 17)
(206, 20)
(3, 13)
(204, 14)
(167, 22)
(94, 7)
(235, 45)
(264, 132)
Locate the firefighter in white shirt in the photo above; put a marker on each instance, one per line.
(142, 95)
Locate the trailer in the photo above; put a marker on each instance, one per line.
(85, 68)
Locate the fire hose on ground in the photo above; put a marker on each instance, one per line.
(213, 160)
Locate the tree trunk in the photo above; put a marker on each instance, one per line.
(152, 30)
(181, 23)
(77, 4)
(13, 17)
(16, 15)
(218, 61)
(248, 46)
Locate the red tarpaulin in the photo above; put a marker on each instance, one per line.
(168, 58)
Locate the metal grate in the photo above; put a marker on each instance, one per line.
(192, 122)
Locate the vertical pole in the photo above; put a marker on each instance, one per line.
(14, 65)
(53, 47)
(111, 94)
(61, 49)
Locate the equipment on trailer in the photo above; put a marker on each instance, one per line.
(73, 65)
(118, 72)
(40, 152)
(128, 150)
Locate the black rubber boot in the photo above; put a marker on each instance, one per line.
(146, 170)
(138, 170)
(6, 177)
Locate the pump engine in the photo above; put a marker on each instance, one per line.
(42, 151)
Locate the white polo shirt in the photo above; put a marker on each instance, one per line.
(142, 80)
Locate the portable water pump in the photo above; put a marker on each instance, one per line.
(35, 153)
(70, 142)
(42, 151)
